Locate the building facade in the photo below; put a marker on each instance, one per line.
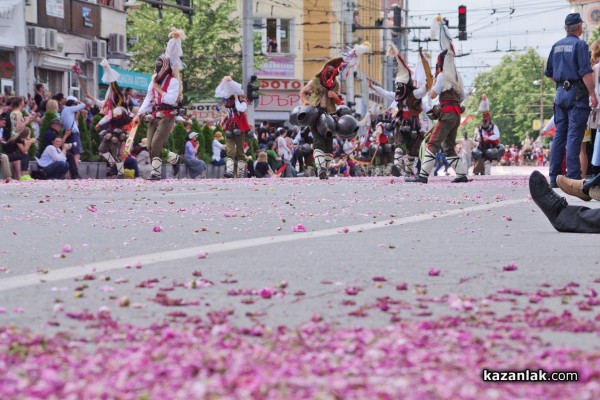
(58, 34)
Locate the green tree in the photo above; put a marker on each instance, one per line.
(209, 51)
(594, 36)
(515, 101)
(177, 139)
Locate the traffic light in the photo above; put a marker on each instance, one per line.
(462, 22)
(252, 89)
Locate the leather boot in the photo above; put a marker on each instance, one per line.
(574, 187)
(545, 198)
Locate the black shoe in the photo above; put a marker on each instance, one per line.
(545, 198)
(395, 170)
(175, 169)
(154, 178)
(323, 175)
(554, 185)
(460, 179)
(227, 175)
(418, 179)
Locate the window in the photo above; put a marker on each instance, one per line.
(274, 34)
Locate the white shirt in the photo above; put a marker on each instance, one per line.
(216, 148)
(170, 96)
(51, 154)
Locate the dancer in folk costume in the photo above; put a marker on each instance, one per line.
(236, 125)
(116, 117)
(160, 105)
(406, 124)
(325, 113)
(449, 87)
(487, 135)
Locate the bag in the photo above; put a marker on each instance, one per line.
(39, 174)
(223, 153)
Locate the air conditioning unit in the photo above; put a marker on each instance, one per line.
(96, 49)
(36, 37)
(51, 39)
(117, 43)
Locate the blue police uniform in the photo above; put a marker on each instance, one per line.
(567, 64)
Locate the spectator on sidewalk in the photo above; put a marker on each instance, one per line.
(54, 160)
(195, 166)
(217, 150)
(17, 150)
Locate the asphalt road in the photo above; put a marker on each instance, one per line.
(135, 247)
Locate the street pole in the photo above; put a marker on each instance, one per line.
(349, 39)
(542, 101)
(248, 52)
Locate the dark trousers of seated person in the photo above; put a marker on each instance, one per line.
(24, 158)
(73, 171)
(56, 170)
(578, 219)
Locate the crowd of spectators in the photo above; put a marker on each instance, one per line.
(287, 151)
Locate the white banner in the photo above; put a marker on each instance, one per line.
(12, 23)
(55, 8)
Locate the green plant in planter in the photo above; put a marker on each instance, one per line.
(207, 134)
(178, 138)
(88, 153)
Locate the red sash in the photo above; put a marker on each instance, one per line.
(158, 97)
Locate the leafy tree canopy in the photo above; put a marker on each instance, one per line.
(515, 100)
(210, 51)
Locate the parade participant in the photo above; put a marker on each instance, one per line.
(324, 92)
(160, 105)
(117, 115)
(568, 65)
(449, 87)
(236, 125)
(487, 136)
(562, 216)
(406, 124)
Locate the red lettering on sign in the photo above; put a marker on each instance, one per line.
(278, 101)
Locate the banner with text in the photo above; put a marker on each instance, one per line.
(279, 94)
(12, 23)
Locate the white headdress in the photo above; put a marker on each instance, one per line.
(174, 50)
(352, 57)
(452, 79)
(404, 73)
(110, 75)
(440, 30)
(228, 87)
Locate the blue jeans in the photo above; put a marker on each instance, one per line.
(56, 170)
(570, 116)
(441, 160)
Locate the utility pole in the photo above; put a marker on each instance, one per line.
(248, 52)
(388, 72)
(349, 40)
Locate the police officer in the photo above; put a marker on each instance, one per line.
(569, 66)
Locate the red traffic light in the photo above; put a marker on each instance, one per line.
(462, 10)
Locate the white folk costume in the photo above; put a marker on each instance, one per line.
(235, 123)
(487, 135)
(116, 117)
(405, 124)
(325, 113)
(160, 104)
(449, 87)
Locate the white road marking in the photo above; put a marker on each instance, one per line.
(192, 252)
